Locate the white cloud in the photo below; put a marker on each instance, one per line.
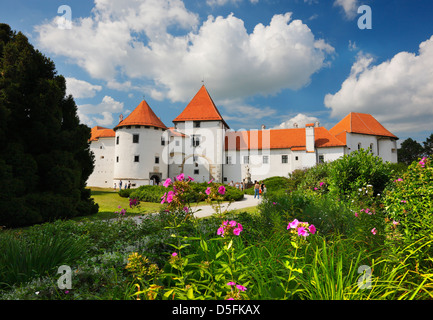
(88, 113)
(214, 3)
(80, 88)
(131, 39)
(398, 92)
(300, 120)
(349, 7)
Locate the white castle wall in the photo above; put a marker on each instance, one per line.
(147, 149)
(102, 175)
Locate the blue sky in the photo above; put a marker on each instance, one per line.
(269, 62)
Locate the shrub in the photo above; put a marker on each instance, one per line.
(357, 170)
(316, 178)
(196, 194)
(409, 200)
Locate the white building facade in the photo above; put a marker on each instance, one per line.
(141, 150)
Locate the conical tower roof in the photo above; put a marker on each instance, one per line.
(201, 108)
(142, 115)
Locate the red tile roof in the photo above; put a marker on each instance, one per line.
(200, 108)
(279, 139)
(142, 115)
(101, 132)
(362, 123)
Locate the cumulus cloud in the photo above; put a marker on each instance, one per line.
(131, 39)
(81, 89)
(398, 92)
(349, 7)
(299, 120)
(90, 113)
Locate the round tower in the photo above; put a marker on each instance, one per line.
(139, 145)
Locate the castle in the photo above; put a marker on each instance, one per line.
(142, 150)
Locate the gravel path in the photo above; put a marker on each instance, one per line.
(207, 210)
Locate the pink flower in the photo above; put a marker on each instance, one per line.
(374, 231)
(356, 214)
(167, 182)
(236, 231)
(174, 254)
(302, 232)
(233, 223)
(241, 288)
(210, 181)
(190, 179)
(274, 203)
(240, 227)
(230, 298)
(221, 190)
(208, 191)
(180, 177)
(312, 229)
(315, 188)
(293, 224)
(186, 209)
(225, 223)
(231, 283)
(220, 231)
(170, 196)
(395, 222)
(403, 201)
(321, 184)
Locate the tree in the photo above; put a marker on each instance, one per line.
(45, 159)
(410, 151)
(428, 146)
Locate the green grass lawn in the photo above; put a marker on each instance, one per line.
(109, 202)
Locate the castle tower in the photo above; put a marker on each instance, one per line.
(204, 130)
(139, 145)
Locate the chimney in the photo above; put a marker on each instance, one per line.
(309, 137)
(295, 125)
(120, 118)
(316, 124)
(263, 127)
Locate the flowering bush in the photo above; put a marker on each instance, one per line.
(409, 200)
(236, 291)
(301, 228)
(229, 228)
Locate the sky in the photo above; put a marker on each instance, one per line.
(264, 62)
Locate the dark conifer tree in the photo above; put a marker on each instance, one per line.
(45, 158)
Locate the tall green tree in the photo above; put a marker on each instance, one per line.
(409, 151)
(428, 146)
(45, 159)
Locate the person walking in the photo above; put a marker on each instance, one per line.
(256, 190)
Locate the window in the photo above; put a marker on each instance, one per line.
(246, 159)
(137, 127)
(117, 140)
(321, 158)
(156, 159)
(284, 158)
(371, 147)
(136, 158)
(196, 124)
(128, 127)
(296, 158)
(162, 141)
(228, 160)
(196, 171)
(195, 141)
(177, 143)
(102, 157)
(265, 159)
(359, 146)
(117, 159)
(135, 138)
